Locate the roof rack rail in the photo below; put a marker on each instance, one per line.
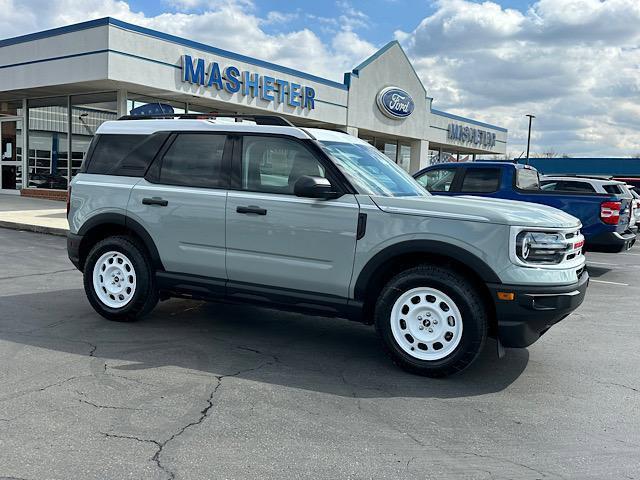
(260, 119)
(593, 177)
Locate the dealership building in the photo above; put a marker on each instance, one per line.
(58, 86)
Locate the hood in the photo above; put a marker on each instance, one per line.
(479, 209)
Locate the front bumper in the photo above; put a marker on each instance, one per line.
(73, 249)
(611, 242)
(534, 310)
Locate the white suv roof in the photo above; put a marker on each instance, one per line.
(598, 184)
(149, 126)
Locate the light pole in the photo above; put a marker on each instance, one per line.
(531, 117)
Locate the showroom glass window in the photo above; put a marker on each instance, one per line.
(11, 137)
(88, 112)
(48, 156)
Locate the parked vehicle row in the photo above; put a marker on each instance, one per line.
(319, 221)
(603, 206)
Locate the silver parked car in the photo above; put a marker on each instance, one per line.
(315, 221)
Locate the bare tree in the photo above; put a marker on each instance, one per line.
(548, 153)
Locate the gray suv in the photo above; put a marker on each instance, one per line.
(315, 221)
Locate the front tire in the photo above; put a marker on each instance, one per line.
(119, 280)
(432, 320)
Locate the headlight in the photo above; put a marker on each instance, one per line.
(541, 248)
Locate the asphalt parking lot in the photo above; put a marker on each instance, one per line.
(202, 390)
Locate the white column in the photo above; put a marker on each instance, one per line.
(25, 144)
(122, 103)
(419, 155)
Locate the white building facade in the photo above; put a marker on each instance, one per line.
(58, 86)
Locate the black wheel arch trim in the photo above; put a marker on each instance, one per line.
(123, 220)
(435, 247)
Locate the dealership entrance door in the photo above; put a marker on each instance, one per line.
(11, 174)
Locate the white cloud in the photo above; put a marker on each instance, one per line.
(237, 28)
(573, 63)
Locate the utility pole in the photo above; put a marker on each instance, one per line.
(531, 117)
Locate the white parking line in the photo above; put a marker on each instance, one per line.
(589, 262)
(634, 254)
(609, 283)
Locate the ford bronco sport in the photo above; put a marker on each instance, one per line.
(315, 221)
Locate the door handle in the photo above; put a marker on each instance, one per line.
(252, 209)
(155, 201)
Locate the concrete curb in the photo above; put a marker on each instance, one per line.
(34, 228)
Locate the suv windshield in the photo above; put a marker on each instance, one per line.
(372, 172)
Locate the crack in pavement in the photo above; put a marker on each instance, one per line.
(110, 407)
(203, 414)
(161, 445)
(41, 389)
(619, 385)
(37, 274)
(522, 465)
(451, 452)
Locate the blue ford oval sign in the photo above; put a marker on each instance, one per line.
(395, 102)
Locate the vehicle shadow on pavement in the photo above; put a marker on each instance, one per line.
(318, 354)
(595, 272)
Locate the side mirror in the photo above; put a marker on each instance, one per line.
(314, 187)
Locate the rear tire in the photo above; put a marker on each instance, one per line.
(432, 320)
(119, 279)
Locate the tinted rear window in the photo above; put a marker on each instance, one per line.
(568, 186)
(125, 155)
(481, 180)
(613, 189)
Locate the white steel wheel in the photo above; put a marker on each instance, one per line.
(426, 323)
(114, 279)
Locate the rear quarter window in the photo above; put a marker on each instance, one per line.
(568, 186)
(613, 189)
(124, 155)
(481, 180)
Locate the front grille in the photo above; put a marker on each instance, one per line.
(572, 239)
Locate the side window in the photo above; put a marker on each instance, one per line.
(273, 165)
(613, 189)
(194, 160)
(110, 150)
(577, 187)
(549, 185)
(437, 180)
(481, 180)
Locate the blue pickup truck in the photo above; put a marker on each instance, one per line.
(605, 217)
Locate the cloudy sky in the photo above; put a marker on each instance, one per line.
(573, 63)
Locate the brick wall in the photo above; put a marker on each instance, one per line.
(45, 194)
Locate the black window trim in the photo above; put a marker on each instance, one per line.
(466, 170)
(153, 172)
